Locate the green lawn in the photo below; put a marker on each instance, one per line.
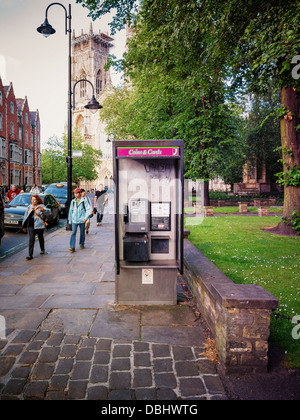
(239, 247)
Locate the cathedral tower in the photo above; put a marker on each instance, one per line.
(89, 56)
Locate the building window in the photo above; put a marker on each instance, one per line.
(1, 97)
(3, 149)
(12, 129)
(26, 136)
(82, 85)
(12, 108)
(1, 123)
(26, 118)
(3, 176)
(98, 82)
(20, 133)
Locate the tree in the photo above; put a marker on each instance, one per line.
(54, 166)
(53, 161)
(202, 44)
(84, 168)
(175, 91)
(124, 11)
(261, 39)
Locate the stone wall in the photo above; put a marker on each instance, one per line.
(237, 315)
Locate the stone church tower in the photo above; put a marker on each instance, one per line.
(89, 56)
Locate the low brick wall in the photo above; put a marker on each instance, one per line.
(253, 202)
(237, 315)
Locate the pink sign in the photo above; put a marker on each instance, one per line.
(148, 151)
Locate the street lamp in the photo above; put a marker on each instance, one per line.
(46, 29)
(93, 105)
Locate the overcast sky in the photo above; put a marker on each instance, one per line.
(38, 67)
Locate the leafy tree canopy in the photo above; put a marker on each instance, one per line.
(54, 167)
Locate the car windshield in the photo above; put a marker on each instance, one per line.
(20, 200)
(57, 192)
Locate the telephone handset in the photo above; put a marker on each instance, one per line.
(136, 215)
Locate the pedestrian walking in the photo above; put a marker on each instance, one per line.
(35, 221)
(79, 213)
(101, 198)
(35, 189)
(88, 222)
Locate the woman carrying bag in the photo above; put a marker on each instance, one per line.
(35, 221)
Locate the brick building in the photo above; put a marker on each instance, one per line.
(20, 142)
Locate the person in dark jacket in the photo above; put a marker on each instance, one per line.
(101, 198)
(34, 220)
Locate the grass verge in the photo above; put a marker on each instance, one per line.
(247, 255)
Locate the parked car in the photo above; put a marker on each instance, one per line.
(1, 217)
(60, 192)
(15, 210)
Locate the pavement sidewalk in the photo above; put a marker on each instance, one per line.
(66, 339)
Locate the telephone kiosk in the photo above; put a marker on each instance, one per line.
(148, 221)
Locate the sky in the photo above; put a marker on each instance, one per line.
(38, 66)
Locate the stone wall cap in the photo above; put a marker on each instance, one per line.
(249, 296)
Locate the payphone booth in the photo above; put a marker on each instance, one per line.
(148, 221)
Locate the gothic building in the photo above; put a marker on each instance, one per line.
(89, 56)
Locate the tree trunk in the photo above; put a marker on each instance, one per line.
(290, 140)
(206, 193)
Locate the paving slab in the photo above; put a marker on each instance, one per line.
(24, 318)
(59, 278)
(70, 321)
(9, 289)
(76, 301)
(191, 336)
(22, 302)
(57, 289)
(167, 315)
(120, 324)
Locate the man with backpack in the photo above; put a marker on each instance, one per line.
(79, 213)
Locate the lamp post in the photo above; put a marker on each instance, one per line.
(46, 29)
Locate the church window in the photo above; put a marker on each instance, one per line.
(98, 82)
(83, 85)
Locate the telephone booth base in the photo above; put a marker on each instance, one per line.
(134, 288)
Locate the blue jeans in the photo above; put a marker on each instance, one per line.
(73, 236)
